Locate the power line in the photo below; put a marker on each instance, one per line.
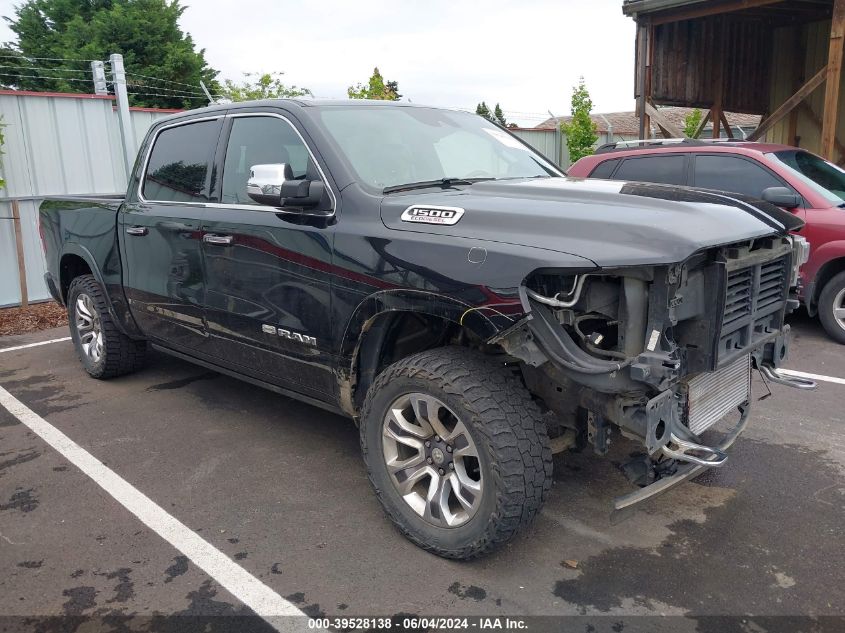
(49, 59)
(39, 68)
(16, 76)
(169, 96)
(168, 81)
(163, 89)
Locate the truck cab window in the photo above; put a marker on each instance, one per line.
(259, 140)
(178, 165)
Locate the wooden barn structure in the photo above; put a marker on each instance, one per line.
(781, 59)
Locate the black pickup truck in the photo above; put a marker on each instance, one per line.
(429, 275)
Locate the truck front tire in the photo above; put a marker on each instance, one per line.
(832, 307)
(103, 350)
(456, 450)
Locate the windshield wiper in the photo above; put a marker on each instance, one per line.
(441, 182)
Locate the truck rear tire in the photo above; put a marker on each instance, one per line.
(456, 450)
(832, 307)
(103, 350)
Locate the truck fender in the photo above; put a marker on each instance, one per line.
(125, 325)
(473, 318)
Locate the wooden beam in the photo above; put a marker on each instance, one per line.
(786, 107)
(834, 73)
(726, 125)
(16, 220)
(668, 129)
(709, 8)
(702, 125)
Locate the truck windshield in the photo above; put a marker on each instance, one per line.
(824, 177)
(391, 146)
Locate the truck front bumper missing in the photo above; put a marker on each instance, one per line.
(688, 469)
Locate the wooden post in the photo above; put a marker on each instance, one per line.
(642, 83)
(16, 220)
(834, 72)
(797, 80)
(719, 76)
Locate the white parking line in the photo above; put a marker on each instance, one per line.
(240, 583)
(17, 347)
(803, 374)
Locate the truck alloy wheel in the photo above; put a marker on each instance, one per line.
(88, 326)
(456, 450)
(105, 351)
(432, 460)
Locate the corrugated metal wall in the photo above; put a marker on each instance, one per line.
(550, 143)
(810, 44)
(55, 146)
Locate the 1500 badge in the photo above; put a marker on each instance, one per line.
(432, 214)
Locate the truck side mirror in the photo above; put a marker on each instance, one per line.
(274, 185)
(782, 197)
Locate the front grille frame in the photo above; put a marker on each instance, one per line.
(754, 298)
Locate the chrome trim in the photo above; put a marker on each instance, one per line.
(245, 207)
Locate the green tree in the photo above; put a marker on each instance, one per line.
(482, 110)
(580, 130)
(376, 88)
(163, 67)
(691, 123)
(260, 86)
(499, 116)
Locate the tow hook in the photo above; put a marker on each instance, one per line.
(774, 375)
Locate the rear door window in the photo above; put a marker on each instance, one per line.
(605, 169)
(669, 169)
(179, 164)
(733, 174)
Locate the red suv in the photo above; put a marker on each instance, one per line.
(792, 178)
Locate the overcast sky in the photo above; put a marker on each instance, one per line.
(525, 55)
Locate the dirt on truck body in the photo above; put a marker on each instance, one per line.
(432, 277)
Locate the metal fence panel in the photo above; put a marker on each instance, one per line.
(55, 145)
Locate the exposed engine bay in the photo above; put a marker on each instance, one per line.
(661, 353)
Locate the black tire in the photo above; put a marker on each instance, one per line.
(506, 427)
(120, 354)
(831, 294)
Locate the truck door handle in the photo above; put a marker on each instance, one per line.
(137, 230)
(220, 240)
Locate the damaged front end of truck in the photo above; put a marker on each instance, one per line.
(660, 352)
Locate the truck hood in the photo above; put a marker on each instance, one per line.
(609, 222)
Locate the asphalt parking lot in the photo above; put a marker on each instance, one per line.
(279, 488)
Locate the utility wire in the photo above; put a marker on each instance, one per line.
(169, 81)
(169, 96)
(162, 89)
(49, 59)
(16, 76)
(39, 68)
